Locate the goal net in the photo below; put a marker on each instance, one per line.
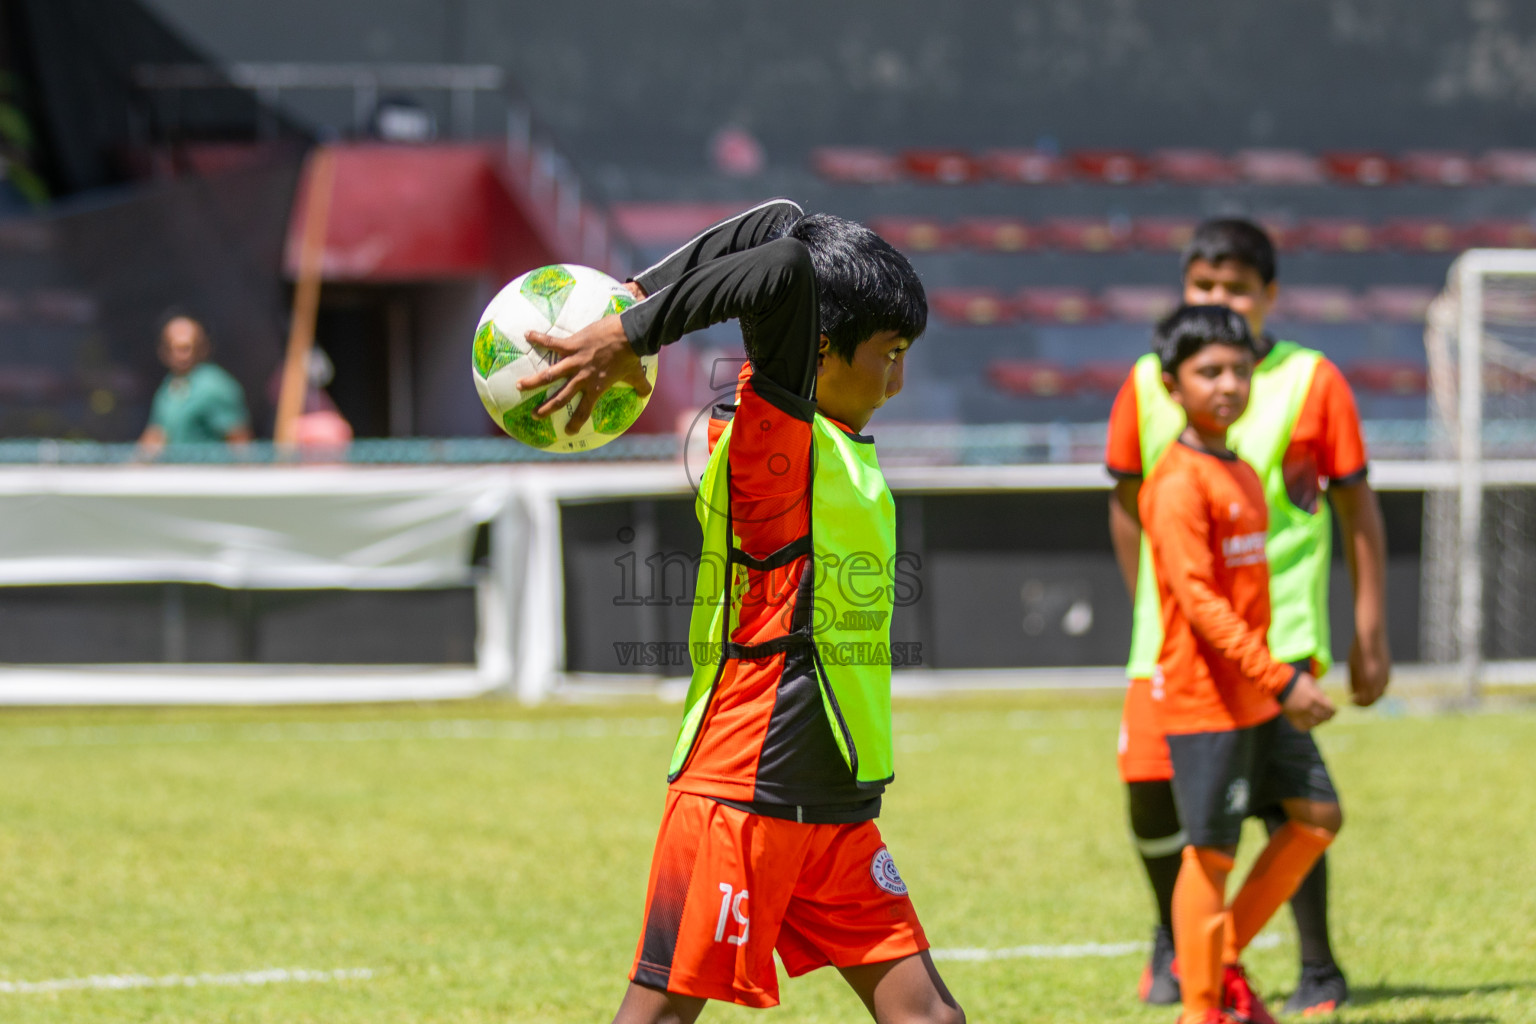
(1479, 542)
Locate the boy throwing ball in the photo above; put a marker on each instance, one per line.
(768, 841)
(1218, 692)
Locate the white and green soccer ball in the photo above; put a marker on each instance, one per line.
(558, 300)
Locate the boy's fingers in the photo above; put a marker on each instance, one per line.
(583, 410)
(561, 397)
(639, 382)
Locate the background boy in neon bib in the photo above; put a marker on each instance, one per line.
(1310, 440)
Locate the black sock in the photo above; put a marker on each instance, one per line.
(1159, 840)
(1310, 904)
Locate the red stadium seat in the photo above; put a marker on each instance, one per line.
(1339, 234)
(1423, 234)
(1503, 234)
(914, 234)
(1110, 166)
(978, 307)
(1435, 167)
(1026, 166)
(1279, 167)
(1511, 166)
(1361, 168)
(1080, 234)
(856, 166)
(1193, 167)
(1059, 305)
(1285, 233)
(1030, 378)
(1319, 304)
(1000, 234)
(1388, 378)
(10, 307)
(1163, 234)
(1103, 378)
(1402, 303)
(31, 383)
(942, 166)
(1141, 304)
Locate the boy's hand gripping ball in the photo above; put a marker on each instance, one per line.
(558, 301)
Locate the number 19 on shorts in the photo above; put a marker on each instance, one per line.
(732, 905)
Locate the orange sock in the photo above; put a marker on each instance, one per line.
(1291, 852)
(1199, 918)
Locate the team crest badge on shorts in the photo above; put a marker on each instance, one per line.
(883, 870)
(1237, 797)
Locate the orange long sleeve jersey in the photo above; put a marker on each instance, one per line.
(1206, 519)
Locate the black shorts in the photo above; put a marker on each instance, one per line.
(1220, 778)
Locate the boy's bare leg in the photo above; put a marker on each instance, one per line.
(645, 1005)
(905, 991)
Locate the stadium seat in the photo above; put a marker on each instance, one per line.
(1193, 167)
(1436, 167)
(1387, 377)
(1162, 234)
(31, 383)
(1058, 305)
(1338, 234)
(856, 166)
(62, 306)
(914, 234)
(1030, 378)
(999, 234)
(1286, 234)
(1401, 303)
(1360, 168)
(979, 307)
(1110, 166)
(1279, 167)
(1503, 234)
(1319, 304)
(1101, 377)
(1511, 166)
(1138, 304)
(942, 166)
(1081, 234)
(1026, 166)
(1422, 234)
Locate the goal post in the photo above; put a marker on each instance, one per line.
(1479, 544)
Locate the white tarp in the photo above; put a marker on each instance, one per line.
(256, 527)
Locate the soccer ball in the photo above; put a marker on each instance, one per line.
(556, 300)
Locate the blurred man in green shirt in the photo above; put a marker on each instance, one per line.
(197, 402)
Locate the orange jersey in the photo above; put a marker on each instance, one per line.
(1326, 443)
(1206, 520)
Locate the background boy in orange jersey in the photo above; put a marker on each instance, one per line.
(1218, 691)
(1231, 262)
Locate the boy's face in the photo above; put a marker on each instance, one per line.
(850, 392)
(1212, 386)
(1233, 284)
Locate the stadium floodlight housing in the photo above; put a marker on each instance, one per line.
(1480, 535)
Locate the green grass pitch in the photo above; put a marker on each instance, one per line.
(486, 863)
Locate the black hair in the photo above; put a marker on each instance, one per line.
(1232, 238)
(1188, 329)
(864, 284)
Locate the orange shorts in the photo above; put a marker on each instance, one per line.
(1143, 749)
(728, 888)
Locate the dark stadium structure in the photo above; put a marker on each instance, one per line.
(1040, 160)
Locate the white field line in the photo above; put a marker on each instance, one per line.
(270, 976)
(335, 732)
(1071, 951)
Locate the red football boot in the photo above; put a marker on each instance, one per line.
(1239, 1000)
